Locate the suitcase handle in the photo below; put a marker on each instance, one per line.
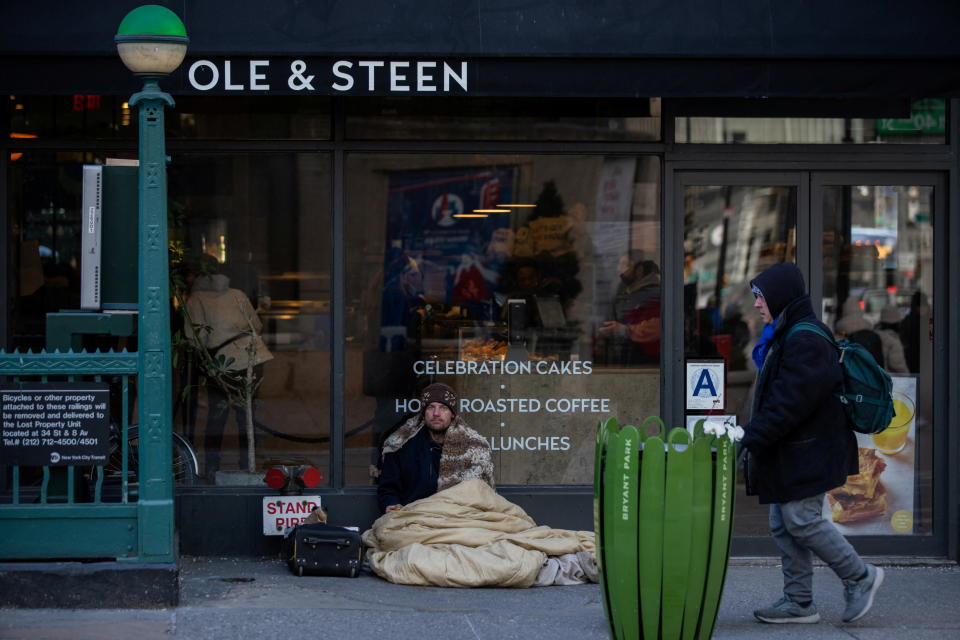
(340, 542)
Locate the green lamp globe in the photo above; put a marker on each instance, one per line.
(151, 41)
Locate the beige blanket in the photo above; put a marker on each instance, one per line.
(465, 536)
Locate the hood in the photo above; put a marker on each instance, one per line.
(218, 283)
(852, 319)
(780, 285)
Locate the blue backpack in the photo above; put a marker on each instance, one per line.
(866, 388)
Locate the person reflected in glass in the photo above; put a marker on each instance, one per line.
(524, 282)
(853, 326)
(633, 330)
(914, 329)
(733, 325)
(401, 311)
(388, 369)
(889, 331)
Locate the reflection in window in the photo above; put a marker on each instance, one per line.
(499, 275)
(44, 202)
(731, 234)
(253, 262)
(925, 124)
(250, 118)
(502, 119)
(878, 292)
(73, 116)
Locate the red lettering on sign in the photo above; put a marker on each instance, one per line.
(283, 523)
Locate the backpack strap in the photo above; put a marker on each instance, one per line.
(809, 326)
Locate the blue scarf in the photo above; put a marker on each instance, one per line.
(763, 344)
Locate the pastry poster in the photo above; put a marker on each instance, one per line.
(879, 500)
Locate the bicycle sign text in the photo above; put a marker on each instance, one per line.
(54, 424)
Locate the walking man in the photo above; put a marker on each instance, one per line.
(799, 446)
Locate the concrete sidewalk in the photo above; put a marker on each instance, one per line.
(258, 598)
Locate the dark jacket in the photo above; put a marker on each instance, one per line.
(798, 439)
(410, 473)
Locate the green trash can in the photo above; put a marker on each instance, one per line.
(663, 509)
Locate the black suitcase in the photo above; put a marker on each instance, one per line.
(323, 550)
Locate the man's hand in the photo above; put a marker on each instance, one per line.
(394, 507)
(611, 328)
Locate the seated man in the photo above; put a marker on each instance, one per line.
(417, 462)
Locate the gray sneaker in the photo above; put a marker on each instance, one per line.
(786, 610)
(859, 593)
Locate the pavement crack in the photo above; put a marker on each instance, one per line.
(470, 624)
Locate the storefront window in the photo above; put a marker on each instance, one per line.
(250, 118)
(878, 291)
(236, 118)
(925, 124)
(44, 201)
(503, 119)
(254, 228)
(73, 116)
(530, 283)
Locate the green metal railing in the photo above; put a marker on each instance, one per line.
(127, 530)
(71, 513)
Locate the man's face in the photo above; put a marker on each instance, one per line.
(760, 304)
(527, 279)
(627, 269)
(438, 416)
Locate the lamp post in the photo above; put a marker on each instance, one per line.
(152, 42)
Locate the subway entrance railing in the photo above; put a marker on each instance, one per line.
(83, 510)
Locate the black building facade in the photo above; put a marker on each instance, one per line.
(555, 207)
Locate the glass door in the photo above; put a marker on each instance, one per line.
(878, 286)
(734, 226)
(872, 247)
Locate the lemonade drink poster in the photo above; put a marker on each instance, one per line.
(879, 500)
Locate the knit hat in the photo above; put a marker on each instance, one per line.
(442, 393)
(890, 315)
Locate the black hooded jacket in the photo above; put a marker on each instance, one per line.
(798, 438)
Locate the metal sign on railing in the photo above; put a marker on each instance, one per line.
(55, 424)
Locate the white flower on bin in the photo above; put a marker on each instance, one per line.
(713, 428)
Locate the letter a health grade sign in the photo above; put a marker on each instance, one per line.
(705, 385)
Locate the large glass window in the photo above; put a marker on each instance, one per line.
(194, 117)
(878, 291)
(254, 232)
(503, 119)
(924, 124)
(530, 283)
(250, 118)
(251, 255)
(74, 116)
(43, 202)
